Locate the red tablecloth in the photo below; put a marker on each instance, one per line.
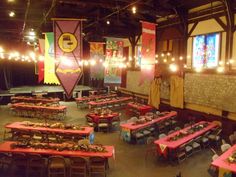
(20, 126)
(22, 106)
(35, 99)
(94, 97)
(141, 108)
(114, 100)
(221, 162)
(132, 126)
(96, 117)
(6, 147)
(163, 144)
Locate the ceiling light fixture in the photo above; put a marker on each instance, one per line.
(108, 22)
(11, 14)
(134, 10)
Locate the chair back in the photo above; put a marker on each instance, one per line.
(162, 135)
(214, 157)
(150, 140)
(225, 147)
(217, 123)
(97, 160)
(57, 160)
(77, 161)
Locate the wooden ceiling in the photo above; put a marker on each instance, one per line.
(37, 14)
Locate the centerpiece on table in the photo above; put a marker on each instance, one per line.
(58, 125)
(189, 131)
(86, 147)
(232, 158)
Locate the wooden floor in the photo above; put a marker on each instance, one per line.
(129, 159)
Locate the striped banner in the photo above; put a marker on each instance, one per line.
(49, 60)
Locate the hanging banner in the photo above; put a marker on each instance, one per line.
(114, 60)
(68, 47)
(41, 62)
(49, 60)
(148, 52)
(97, 54)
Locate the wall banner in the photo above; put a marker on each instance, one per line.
(97, 54)
(114, 57)
(148, 52)
(68, 50)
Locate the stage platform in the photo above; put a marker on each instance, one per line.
(48, 89)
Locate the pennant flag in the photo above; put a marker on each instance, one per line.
(224, 173)
(148, 52)
(97, 54)
(41, 62)
(114, 58)
(162, 147)
(68, 53)
(49, 60)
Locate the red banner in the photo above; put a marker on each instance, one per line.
(148, 52)
(41, 61)
(68, 53)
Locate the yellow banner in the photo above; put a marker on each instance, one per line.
(49, 61)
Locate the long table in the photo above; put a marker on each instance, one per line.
(96, 117)
(31, 110)
(95, 97)
(164, 145)
(138, 108)
(222, 162)
(6, 148)
(86, 131)
(34, 99)
(112, 101)
(83, 101)
(127, 128)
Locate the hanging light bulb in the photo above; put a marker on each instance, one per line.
(180, 58)
(156, 61)
(165, 60)
(173, 59)
(168, 54)
(220, 69)
(198, 69)
(185, 66)
(134, 10)
(173, 67)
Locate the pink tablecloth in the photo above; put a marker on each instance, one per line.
(22, 106)
(35, 99)
(20, 126)
(114, 100)
(96, 117)
(6, 147)
(132, 126)
(141, 108)
(163, 144)
(94, 97)
(221, 162)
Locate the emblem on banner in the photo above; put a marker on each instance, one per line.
(162, 147)
(67, 42)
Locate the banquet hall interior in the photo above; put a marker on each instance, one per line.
(132, 88)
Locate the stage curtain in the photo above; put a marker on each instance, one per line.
(154, 95)
(177, 91)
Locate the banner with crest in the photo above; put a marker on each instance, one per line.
(114, 57)
(68, 50)
(97, 54)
